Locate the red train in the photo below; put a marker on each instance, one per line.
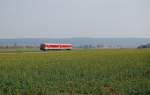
(55, 46)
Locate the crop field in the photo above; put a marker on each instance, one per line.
(18, 50)
(76, 72)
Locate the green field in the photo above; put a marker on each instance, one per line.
(76, 72)
(18, 50)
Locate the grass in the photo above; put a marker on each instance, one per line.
(18, 50)
(77, 72)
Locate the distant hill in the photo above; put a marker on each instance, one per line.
(80, 42)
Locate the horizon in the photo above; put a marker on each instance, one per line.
(77, 42)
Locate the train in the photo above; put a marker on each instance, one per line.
(55, 46)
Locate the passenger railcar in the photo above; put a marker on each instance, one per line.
(55, 46)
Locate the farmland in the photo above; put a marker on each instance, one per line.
(76, 72)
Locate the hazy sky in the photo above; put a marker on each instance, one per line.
(74, 18)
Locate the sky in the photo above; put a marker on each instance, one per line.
(74, 18)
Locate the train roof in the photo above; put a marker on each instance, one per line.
(56, 43)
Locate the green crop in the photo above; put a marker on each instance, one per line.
(76, 72)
